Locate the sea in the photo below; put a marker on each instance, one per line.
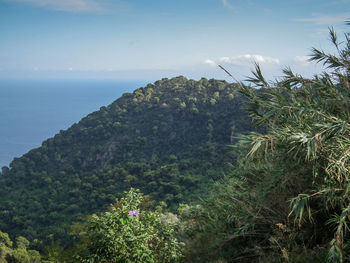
(33, 110)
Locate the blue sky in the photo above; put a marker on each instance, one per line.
(148, 40)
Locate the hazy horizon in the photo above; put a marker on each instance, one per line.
(148, 40)
(34, 110)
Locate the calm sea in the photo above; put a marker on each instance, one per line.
(32, 111)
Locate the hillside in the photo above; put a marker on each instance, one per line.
(168, 139)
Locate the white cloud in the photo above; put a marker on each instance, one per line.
(65, 5)
(248, 59)
(302, 59)
(321, 19)
(227, 4)
(210, 62)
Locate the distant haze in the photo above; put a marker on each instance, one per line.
(32, 111)
(119, 39)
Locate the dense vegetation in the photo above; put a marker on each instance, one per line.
(129, 232)
(169, 139)
(285, 199)
(288, 200)
(18, 254)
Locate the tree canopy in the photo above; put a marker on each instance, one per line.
(169, 139)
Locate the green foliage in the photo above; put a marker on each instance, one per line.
(309, 124)
(286, 200)
(289, 196)
(130, 233)
(232, 223)
(19, 254)
(167, 139)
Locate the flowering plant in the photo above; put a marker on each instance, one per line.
(133, 213)
(123, 234)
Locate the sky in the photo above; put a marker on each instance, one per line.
(149, 40)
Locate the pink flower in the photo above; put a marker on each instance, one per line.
(133, 213)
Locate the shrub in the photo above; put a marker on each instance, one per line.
(128, 233)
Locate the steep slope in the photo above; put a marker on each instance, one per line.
(169, 139)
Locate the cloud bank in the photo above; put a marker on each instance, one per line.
(248, 59)
(243, 60)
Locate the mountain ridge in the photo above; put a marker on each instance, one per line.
(169, 139)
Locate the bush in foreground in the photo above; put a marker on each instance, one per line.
(130, 233)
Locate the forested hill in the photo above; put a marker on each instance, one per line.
(168, 139)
